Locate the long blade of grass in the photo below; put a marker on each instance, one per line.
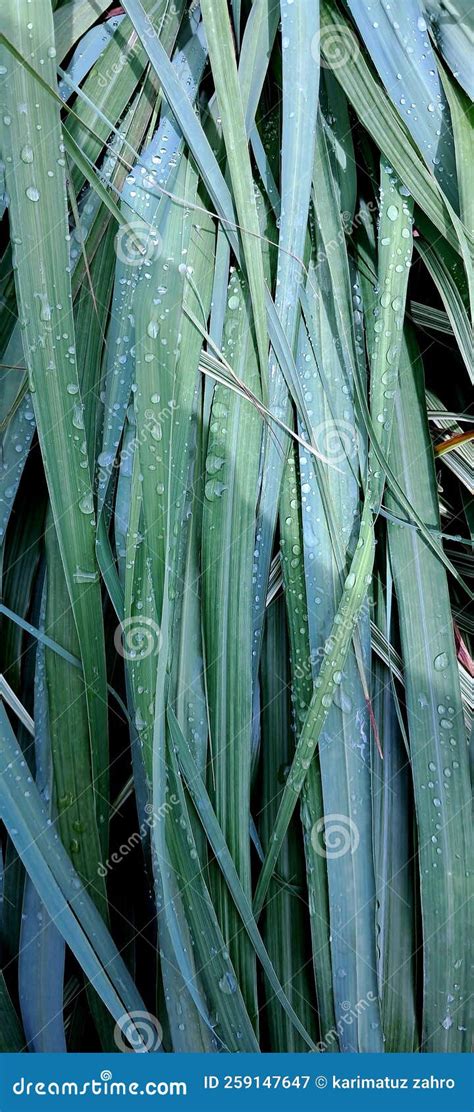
(38, 215)
(61, 890)
(387, 311)
(72, 20)
(343, 747)
(436, 727)
(224, 858)
(233, 1028)
(333, 663)
(228, 524)
(12, 1039)
(451, 28)
(300, 682)
(445, 275)
(380, 118)
(226, 79)
(393, 859)
(405, 62)
(42, 947)
(300, 103)
(462, 118)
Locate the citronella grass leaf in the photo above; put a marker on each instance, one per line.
(228, 524)
(405, 62)
(393, 858)
(462, 118)
(18, 427)
(277, 747)
(185, 116)
(214, 969)
(452, 30)
(12, 1039)
(231, 110)
(43, 283)
(380, 118)
(89, 50)
(435, 725)
(42, 947)
(60, 888)
(209, 169)
(333, 502)
(347, 615)
(178, 960)
(450, 284)
(21, 564)
(428, 317)
(300, 103)
(335, 115)
(138, 243)
(73, 772)
(349, 344)
(110, 85)
(387, 308)
(257, 44)
(224, 858)
(67, 714)
(72, 20)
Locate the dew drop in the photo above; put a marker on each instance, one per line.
(153, 329)
(228, 984)
(86, 504)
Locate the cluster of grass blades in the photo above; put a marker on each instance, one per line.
(236, 682)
